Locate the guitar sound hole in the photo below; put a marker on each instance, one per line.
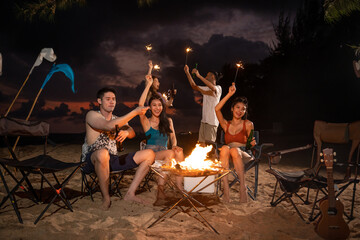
(332, 211)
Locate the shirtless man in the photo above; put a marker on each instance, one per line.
(99, 150)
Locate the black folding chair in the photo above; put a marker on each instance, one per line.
(90, 183)
(344, 138)
(42, 165)
(256, 152)
(289, 182)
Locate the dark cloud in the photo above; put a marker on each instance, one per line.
(104, 43)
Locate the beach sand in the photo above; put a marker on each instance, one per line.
(126, 220)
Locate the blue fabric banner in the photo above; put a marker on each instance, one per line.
(66, 69)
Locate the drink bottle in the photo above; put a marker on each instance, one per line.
(248, 142)
(119, 144)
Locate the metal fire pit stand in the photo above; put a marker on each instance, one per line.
(188, 197)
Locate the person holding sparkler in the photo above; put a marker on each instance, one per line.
(168, 99)
(99, 150)
(237, 132)
(211, 96)
(159, 129)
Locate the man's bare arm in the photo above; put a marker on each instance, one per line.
(96, 120)
(206, 82)
(191, 80)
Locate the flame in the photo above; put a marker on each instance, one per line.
(188, 49)
(157, 67)
(164, 95)
(197, 160)
(148, 47)
(240, 65)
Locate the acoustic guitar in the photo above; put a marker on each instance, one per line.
(331, 224)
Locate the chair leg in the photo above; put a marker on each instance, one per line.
(57, 193)
(148, 177)
(30, 187)
(12, 197)
(116, 184)
(36, 199)
(256, 180)
(41, 187)
(90, 186)
(307, 202)
(297, 210)
(353, 200)
(273, 197)
(311, 218)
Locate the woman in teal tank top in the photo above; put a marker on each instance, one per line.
(159, 129)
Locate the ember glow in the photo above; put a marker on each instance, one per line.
(198, 161)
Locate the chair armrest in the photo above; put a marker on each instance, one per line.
(259, 148)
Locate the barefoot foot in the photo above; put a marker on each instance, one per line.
(226, 198)
(106, 203)
(243, 196)
(133, 198)
(161, 192)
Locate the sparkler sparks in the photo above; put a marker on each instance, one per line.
(238, 65)
(188, 49)
(157, 67)
(148, 48)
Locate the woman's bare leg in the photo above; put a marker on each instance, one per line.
(239, 168)
(166, 156)
(224, 159)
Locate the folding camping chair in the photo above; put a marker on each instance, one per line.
(289, 182)
(41, 165)
(254, 163)
(344, 138)
(90, 183)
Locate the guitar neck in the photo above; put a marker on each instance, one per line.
(295, 149)
(331, 191)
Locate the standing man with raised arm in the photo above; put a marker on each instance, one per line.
(99, 150)
(211, 97)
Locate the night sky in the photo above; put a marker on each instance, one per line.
(104, 43)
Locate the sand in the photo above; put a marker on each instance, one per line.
(126, 220)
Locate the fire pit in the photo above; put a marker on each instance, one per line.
(195, 165)
(193, 173)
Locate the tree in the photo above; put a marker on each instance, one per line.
(46, 9)
(337, 9)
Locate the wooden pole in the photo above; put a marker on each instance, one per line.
(28, 116)
(17, 95)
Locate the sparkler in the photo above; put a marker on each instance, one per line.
(157, 67)
(148, 48)
(165, 96)
(187, 53)
(238, 65)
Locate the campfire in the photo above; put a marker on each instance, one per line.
(196, 164)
